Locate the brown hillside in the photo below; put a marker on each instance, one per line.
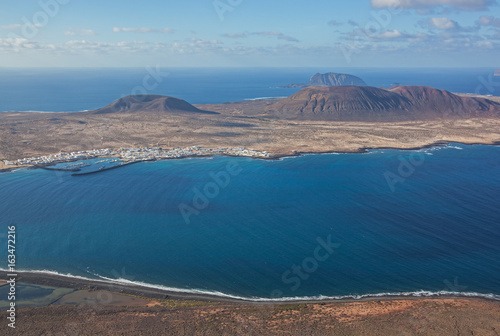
(356, 103)
(154, 104)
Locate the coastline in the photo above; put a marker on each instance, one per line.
(53, 279)
(90, 308)
(361, 150)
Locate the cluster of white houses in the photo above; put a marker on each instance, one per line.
(137, 154)
(62, 157)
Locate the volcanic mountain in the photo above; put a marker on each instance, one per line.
(150, 104)
(329, 79)
(401, 103)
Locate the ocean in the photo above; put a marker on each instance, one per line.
(422, 222)
(344, 220)
(67, 90)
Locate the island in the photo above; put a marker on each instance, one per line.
(314, 120)
(329, 79)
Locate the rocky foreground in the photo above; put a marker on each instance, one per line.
(168, 317)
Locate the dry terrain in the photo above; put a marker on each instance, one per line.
(75, 306)
(237, 124)
(167, 317)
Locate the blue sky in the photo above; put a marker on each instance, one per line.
(204, 33)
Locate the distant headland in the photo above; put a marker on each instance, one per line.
(329, 79)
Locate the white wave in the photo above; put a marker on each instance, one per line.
(262, 98)
(126, 282)
(17, 169)
(67, 275)
(281, 158)
(329, 153)
(454, 147)
(438, 147)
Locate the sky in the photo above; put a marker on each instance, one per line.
(250, 33)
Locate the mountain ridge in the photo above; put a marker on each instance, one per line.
(400, 103)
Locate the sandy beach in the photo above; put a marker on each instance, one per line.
(86, 309)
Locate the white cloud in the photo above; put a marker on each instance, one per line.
(467, 5)
(19, 44)
(390, 34)
(80, 32)
(488, 21)
(142, 30)
(12, 26)
(443, 23)
(18, 25)
(383, 42)
(277, 34)
(485, 44)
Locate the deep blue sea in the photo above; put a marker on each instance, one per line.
(330, 225)
(434, 228)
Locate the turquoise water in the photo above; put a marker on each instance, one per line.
(316, 225)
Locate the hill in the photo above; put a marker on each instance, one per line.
(329, 79)
(402, 103)
(152, 104)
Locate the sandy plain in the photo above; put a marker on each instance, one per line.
(24, 134)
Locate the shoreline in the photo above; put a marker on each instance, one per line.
(272, 157)
(152, 292)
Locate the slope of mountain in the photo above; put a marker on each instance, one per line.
(329, 79)
(441, 103)
(152, 104)
(355, 103)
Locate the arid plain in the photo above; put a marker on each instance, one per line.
(248, 124)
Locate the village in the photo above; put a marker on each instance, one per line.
(130, 155)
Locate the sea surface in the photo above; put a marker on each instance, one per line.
(67, 90)
(331, 225)
(334, 225)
